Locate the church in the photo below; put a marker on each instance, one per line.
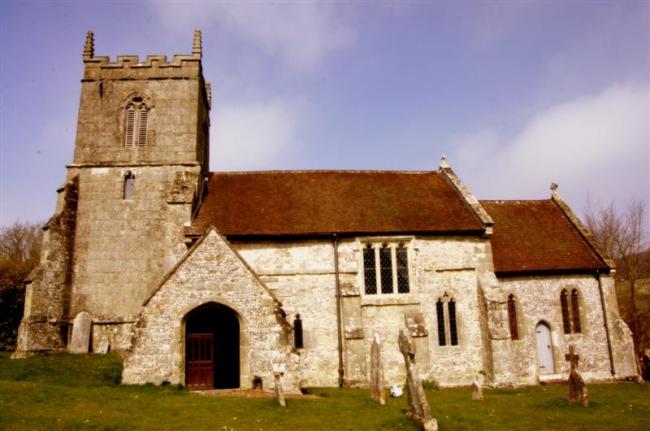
(221, 279)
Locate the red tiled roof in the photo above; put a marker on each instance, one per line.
(536, 236)
(297, 203)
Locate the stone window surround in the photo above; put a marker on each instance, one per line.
(445, 299)
(518, 316)
(392, 242)
(581, 311)
(128, 103)
(124, 176)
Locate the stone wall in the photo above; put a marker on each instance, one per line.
(302, 275)
(538, 300)
(212, 272)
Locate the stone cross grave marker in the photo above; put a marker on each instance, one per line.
(377, 390)
(278, 372)
(477, 389)
(419, 410)
(81, 326)
(577, 387)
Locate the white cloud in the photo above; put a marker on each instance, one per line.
(302, 35)
(594, 146)
(250, 136)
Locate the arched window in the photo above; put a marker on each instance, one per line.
(129, 184)
(297, 332)
(512, 317)
(447, 328)
(369, 270)
(564, 304)
(135, 123)
(575, 311)
(440, 313)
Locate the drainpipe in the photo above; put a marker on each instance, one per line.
(609, 341)
(335, 242)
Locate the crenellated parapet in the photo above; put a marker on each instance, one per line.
(186, 66)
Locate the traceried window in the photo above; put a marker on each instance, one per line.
(136, 122)
(571, 322)
(385, 268)
(447, 327)
(129, 184)
(512, 318)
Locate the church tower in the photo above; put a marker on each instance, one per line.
(141, 156)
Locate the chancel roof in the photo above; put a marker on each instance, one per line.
(301, 203)
(536, 236)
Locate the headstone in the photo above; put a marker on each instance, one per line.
(278, 372)
(419, 410)
(477, 389)
(80, 333)
(577, 387)
(377, 390)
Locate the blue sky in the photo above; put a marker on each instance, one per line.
(516, 94)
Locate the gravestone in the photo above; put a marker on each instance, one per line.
(377, 390)
(477, 389)
(577, 387)
(278, 372)
(80, 333)
(419, 410)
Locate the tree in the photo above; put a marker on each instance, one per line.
(623, 236)
(20, 246)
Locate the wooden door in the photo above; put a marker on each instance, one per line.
(544, 349)
(199, 358)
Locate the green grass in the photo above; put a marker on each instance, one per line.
(81, 392)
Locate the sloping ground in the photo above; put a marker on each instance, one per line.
(65, 392)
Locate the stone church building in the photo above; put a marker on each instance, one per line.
(218, 279)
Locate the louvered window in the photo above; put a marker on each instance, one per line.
(136, 123)
(512, 317)
(385, 269)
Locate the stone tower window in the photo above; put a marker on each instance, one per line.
(136, 122)
(512, 317)
(447, 327)
(129, 184)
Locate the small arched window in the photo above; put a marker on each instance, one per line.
(575, 311)
(136, 122)
(512, 317)
(129, 184)
(297, 332)
(447, 327)
(564, 304)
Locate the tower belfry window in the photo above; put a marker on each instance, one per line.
(136, 122)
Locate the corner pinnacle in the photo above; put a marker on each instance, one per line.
(197, 45)
(89, 46)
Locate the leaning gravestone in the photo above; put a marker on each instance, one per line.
(377, 390)
(81, 326)
(419, 410)
(577, 387)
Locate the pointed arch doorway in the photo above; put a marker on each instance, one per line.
(212, 348)
(544, 349)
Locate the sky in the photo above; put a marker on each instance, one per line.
(516, 94)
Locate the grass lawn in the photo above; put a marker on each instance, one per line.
(82, 392)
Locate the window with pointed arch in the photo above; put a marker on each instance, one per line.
(446, 318)
(512, 317)
(570, 305)
(136, 119)
(129, 184)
